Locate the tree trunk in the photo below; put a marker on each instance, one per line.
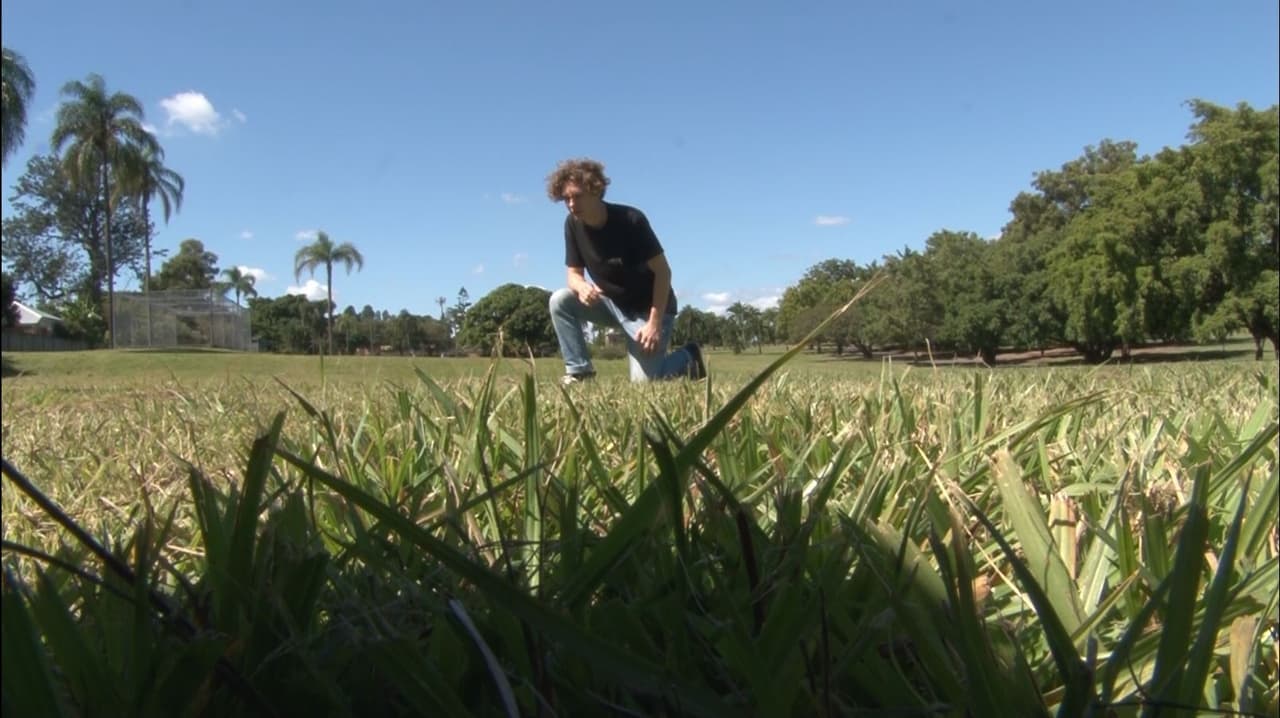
(111, 273)
(328, 288)
(146, 280)
(1095, 353)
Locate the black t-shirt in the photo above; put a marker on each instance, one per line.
(616, 256)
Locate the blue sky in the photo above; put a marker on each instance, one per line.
(759, 138)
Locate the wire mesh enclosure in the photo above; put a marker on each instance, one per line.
(181, 318)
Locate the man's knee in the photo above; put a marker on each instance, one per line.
(561, 299)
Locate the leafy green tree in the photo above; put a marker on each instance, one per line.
(100, 132)
(1235, 166)
(193, 267)
(324, 253)
(433, 333)
(235, 280)
(1092, 271)
(973, 310)
(8, 295)
(694, 325)
(17, 85)
(55, 241)
(81, 319)
(908, 309)
(290, 324)
(516, 314)
(406, 332)
(1020, 257)
(748, 326)
(346, 330)
(819, 286)
(769, 325)
(370, 328)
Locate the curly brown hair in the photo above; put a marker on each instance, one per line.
(586, 173)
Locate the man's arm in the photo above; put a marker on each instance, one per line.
(651, 332)
(661, 287)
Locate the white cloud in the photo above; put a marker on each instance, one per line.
(513, 198)
(520, 259)
(306, 235)
(478, 269)
(150, 128)
(193, 111)
(831, 220)
(312, 290)
(760, 298)
(246, 235)
(240, 116)
(259, 275)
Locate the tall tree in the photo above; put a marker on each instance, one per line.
(517, 314)
(54, 241)
(1236, 166)
(441, 300)
(17, 85)
(323, 252)
(193, 267)
(745, 320)
(100, 132)
(973, 312)
(8, 295)
(290, 324)
(240, 283)
(457, 314)
(1093, 271)
(694, 325)
(146, 178)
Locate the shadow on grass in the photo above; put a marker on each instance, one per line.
(1059, 356)
(180, 350)
(8, 368)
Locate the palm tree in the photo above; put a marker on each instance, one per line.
(17, 85)
(102, 133)
(240, 283)
(323, 252)
(146, 178)
(441, 301)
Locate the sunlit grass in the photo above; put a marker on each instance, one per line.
(413, 540)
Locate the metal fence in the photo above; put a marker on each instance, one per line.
(181, 318)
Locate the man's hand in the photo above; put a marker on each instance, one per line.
(589, 293)
(648, 336)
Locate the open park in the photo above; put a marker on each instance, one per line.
(405, 536)
(316, 391)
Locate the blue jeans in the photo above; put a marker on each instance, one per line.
(569, 316)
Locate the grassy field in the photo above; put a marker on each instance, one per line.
(398, 536)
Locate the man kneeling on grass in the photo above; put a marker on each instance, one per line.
(630, 285)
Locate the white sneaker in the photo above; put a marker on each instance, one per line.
(568, 379)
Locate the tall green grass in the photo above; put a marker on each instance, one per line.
(1063, 542)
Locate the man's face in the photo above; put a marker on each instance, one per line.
(579, 200)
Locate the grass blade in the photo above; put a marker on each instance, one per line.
(617, 663)
(1043, 559)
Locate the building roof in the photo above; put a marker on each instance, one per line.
(28, 316)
